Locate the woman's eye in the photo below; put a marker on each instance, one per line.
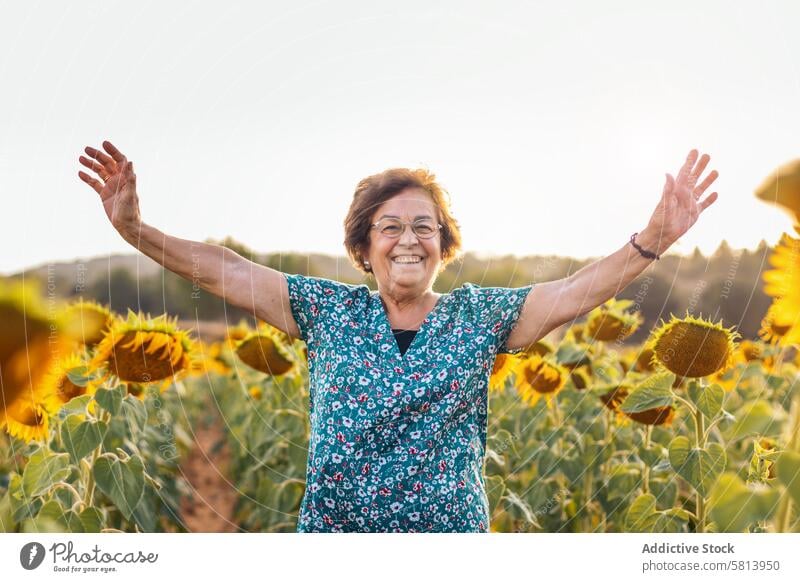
(424, 228)
(391, 229)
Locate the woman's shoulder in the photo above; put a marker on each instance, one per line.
(324, 290)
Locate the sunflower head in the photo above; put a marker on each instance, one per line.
(145, 350)
(237, 333)
(86, 322)
(266, 350)
(616, 395)
(27, 347)
(580, 378)
(776, 324)
(503, 367)
(610, 321)
(645, 360)
(255, 391)
(541, 347)
(538, 376)
(25, 420)
(208, 360)
(576, 333)
(782, 187)
(693, 347)
(57, 387)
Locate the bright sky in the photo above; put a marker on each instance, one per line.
(552, 124)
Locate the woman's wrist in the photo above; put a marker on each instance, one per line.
(652, 241)
(132, 232)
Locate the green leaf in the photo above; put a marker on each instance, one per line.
(81, 437)
(145, 512)
(652, 455)
(708, 399)
(77, 405)
(7, 523)
(787, 469)
(653, 392)
(641, 514)
(79, 376)
(110, 399)
(700, 467)
(135, 412)
(519, 509)
(734, 505)
(495, 487)
(44, 469)
(92, 520)
(121, 481)
(757, 417)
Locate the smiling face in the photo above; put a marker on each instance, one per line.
(405, 278)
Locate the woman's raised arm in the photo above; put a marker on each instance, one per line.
(219, 270)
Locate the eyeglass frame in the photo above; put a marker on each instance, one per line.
(404, 223)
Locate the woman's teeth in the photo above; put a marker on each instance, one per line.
(407, 259)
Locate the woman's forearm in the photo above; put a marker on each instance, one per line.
(209, 266)
(598, 282)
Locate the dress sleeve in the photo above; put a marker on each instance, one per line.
(316, 303)
(497, 310)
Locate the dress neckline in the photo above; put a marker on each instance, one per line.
(421, 332)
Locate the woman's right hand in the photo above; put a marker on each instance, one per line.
(116, 187)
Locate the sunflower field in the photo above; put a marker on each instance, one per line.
(694, 430)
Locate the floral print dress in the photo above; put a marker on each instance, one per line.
(397, 442)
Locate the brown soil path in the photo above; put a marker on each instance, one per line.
(210, 506)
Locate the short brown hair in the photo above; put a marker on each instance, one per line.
(374, 190)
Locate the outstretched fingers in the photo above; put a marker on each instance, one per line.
(115, 153)
(705, 184)
(683, 174)
(108, 163)
(707, 201)
(96, 185)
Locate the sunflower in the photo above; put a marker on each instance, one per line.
(610, 321)
(504, 365)
(575, 333)
(693, 347)
(644, 360)
(208, 359)
(266, 350)
(237, 333)
(580, 378)
(780, 324)
(26, 420)
(616, 395)
(27, 347)
(782, 187)
(86, 322)
(255, 392)
(56, 388)
(537, 377)
(540, 347)
(145, 350)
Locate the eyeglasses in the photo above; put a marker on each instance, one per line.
(393, 227)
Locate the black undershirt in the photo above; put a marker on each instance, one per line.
(404, 338)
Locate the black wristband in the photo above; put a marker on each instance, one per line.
(644, 253)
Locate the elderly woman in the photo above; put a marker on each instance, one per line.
(398, 377)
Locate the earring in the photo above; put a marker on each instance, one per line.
(366, 263)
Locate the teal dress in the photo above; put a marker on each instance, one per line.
(397, 441)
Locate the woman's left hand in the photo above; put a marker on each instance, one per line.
(680, 203)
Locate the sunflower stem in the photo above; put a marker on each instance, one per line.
(645, 467)
(700, 442)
